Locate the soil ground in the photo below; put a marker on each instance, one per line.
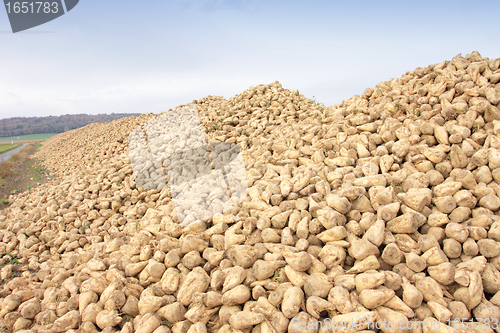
(21, 173)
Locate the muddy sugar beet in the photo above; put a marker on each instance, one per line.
(383, 207)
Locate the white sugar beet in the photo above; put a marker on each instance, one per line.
(243, 214)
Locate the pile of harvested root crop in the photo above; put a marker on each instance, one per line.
(384, 208)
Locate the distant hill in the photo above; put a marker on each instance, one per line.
(54, 124)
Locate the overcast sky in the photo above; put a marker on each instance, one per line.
(150, 56)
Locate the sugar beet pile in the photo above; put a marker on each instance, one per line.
(385, 207)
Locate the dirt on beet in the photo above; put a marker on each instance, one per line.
(20, 173)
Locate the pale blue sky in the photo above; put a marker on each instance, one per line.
(149, 56)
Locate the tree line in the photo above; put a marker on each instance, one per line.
(54, 124)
